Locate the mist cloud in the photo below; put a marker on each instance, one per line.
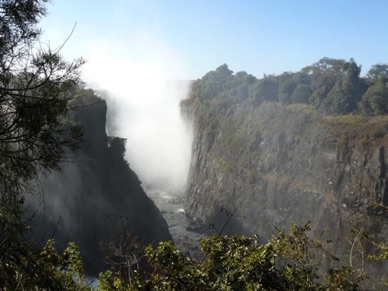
(143, 89)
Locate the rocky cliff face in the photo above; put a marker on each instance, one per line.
(96, 195)
(280, 164)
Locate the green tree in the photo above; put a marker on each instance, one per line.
(325, 72)
(212, 83)
(43, 269)
(301, 94)
(286, 87)
(375, 99)
(35, 86)
(378, 71)
(353, 83)
(346, 93)
(318, 96)
(33, 97)
(323, 76)
(237, 87)
(264, 89)
(338, 101)
(288, 261)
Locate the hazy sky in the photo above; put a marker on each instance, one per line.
(186, 39)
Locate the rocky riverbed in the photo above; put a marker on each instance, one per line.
(183, 230)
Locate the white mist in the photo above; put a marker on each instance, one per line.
(143, 95)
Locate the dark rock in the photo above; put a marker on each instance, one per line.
(96, 195)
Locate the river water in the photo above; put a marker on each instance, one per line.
(172, 209)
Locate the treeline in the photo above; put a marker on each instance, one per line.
(332, 86)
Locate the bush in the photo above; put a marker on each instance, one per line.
(288, 261)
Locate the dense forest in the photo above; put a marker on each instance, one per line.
(332, 86)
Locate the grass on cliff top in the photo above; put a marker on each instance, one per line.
(349, 118)
(380, 119)
(368, 131)
(306, 108)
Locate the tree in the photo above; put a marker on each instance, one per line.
(318, 96)
(35, 90)
(323, 75)
(375, 99)
(33, 96)
(286, 87)
(325, 72)
(338, 101)
(353, 83)
(264, 89)
(212, 83)
(346, 93)
(237, 87)
(378, 71)
(301, 94)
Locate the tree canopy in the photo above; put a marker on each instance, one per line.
(34, 94)
(288, 261)
(332, 86)
(35, 90)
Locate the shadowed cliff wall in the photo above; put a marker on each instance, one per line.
(96, 194)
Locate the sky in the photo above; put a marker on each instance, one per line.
(133, 47)
(186, 39)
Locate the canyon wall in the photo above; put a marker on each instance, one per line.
(96, 195)
(271, 164)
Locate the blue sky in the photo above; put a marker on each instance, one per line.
(186, 39)
(133, 47)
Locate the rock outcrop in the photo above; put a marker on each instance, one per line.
(97, 195)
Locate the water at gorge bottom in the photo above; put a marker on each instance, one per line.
(171, 207)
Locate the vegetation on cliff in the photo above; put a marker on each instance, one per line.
(332, 86)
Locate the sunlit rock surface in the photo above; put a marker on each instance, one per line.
(277, 164)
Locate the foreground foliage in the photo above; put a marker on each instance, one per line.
(43, 269)
(289, 261)
(34, 138)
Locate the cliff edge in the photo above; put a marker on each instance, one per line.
(275, 164)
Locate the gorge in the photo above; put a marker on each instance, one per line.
(261, 153)
(119, 171)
